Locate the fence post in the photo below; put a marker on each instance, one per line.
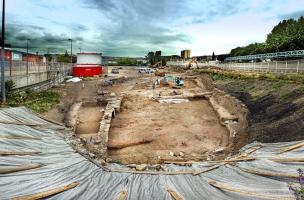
(286, 67)
(298, 65)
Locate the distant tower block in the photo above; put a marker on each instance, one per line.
(185, 54)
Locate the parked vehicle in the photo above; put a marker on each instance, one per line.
(115, 71)
(146, 71)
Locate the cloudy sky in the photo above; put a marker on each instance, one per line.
(134, 27)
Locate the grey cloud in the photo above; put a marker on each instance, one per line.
(150, 23)
(41, 38)
(139, 25)
(79, 27)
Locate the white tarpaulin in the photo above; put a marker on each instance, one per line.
(265, 176)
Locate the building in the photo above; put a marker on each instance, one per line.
(88, 64)
(185, 54)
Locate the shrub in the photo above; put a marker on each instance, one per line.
(298, 191)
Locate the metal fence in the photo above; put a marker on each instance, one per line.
(28, 73)
(288, 66)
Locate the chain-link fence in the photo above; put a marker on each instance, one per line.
(28, 73)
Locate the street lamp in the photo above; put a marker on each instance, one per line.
(27, 56)
(71, 50)
(2, 54)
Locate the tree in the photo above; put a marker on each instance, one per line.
(287, 35)
(150, 57)
(213, 56)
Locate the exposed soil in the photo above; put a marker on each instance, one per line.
(69, 94)
(192, 128)
(86, 91)
(145, 130)
(89, 119)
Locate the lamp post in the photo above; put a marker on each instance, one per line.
(27, 56)
(2, 54)
(71, 50)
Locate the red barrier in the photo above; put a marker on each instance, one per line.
(87, 70)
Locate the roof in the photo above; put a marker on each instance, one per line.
(262, 171)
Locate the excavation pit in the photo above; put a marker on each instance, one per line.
(89, 117)
(146, 131)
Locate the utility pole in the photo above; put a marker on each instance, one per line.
(71, 51)
(27, 56)
(2, 54)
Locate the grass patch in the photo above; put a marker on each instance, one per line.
(37, 101)
(222, 75)
(116, 161)
(292, 93)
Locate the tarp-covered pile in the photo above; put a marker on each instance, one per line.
(36, 160)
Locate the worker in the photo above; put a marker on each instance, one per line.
(153, 86)
(177, 81)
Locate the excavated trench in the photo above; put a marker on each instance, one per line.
(146, 131)
(89, 117)
(154, 126)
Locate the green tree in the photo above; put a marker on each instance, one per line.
(288, 35)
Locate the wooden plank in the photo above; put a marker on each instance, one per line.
(19, 123)
(292, 147)
(181, 163)
(123, 195)
(228, 188)
(47, 193)
(286, 160)
(237, 159)
(206, 170)
(18, 138)
(265, 173)
(252, 149)
(174, 195)
(7, 170)
(15, 153)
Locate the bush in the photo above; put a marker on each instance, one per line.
(9, 86)
(298, 191)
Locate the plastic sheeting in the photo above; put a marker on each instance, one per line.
(62, 166)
